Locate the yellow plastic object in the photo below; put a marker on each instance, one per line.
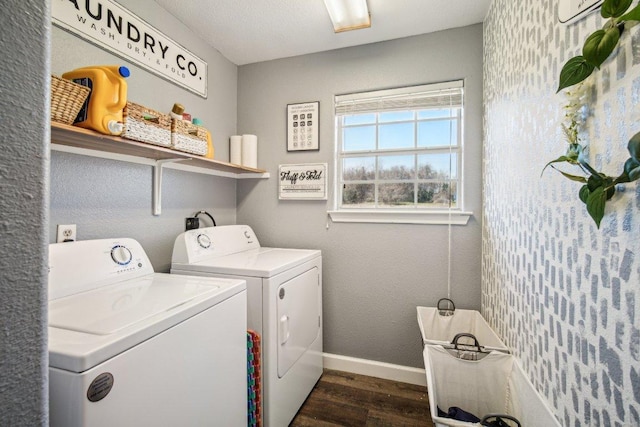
(102, 111)
(211, 149)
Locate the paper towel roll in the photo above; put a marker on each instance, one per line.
(235, 149)
(250, 151)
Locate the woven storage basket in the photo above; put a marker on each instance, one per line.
(189, 137)
(146, 125)
(67, 99)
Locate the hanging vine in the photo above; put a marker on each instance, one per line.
(597, 187)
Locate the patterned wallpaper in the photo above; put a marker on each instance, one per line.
(563, 295)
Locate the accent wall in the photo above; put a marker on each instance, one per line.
(564, 295)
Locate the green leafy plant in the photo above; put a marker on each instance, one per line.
(597, 187)
(599, 45)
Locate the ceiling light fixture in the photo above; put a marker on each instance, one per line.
(348, 15)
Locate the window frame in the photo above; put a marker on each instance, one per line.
(410, 214)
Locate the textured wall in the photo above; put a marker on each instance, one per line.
(107, 198)
(374, 274)
(24, 87)
(563, 294)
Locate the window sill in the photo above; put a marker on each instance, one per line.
(401, 217)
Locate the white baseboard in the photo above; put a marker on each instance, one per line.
(387, 371)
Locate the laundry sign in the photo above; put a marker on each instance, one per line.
(306, 181)
(107, 24)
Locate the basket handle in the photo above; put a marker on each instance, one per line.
(449, 310)
(465, 335)
(499, 417)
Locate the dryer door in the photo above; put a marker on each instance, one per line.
(298, 302)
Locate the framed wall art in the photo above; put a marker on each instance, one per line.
(303, 126)
(117, 30)
(306, 181)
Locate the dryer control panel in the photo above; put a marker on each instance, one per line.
(203, 243)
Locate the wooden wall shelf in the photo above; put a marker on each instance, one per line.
(87, 142)
(72, 139)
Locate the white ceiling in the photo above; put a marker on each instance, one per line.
(247, 31)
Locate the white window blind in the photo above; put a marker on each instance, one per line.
(440, 95)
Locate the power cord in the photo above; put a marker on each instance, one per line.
(207, 214)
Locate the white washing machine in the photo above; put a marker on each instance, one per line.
(284, 297)
(130, 347)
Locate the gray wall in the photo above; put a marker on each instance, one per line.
(107, 198)
(24, 88)
(374, 274)
(563, 294)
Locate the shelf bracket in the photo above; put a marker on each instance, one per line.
(157, 183)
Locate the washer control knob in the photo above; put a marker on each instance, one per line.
(204, 241)
(247, 235)
(121, 255)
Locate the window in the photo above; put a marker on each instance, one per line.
(399, 154)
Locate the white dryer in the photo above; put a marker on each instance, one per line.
(284, 297)
(130, 347)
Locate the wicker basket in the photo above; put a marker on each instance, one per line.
(146, 125)
(188, 137)
(67, 99)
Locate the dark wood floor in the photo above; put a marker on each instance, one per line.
(346, 399)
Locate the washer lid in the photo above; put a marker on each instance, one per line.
(260, 262)
(88, 328)
(110, 309)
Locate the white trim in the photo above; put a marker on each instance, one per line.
(387, 371)
(401, 217)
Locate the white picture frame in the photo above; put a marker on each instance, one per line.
(306, 181)
(121, 32)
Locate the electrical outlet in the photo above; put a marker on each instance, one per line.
(66, 233)
(192, 223)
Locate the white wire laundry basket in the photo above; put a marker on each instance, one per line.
(440, 324)
(489, 384)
